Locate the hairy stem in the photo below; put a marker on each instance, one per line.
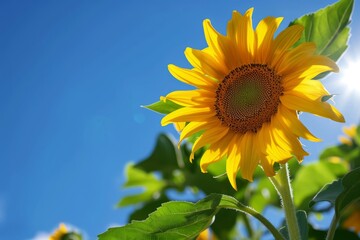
(248, 226)
(282, 184)
(252, 212)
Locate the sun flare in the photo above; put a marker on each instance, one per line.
(350, 76)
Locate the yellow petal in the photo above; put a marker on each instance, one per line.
(210, 156)
(241, 32)
(234, 159)
(263, 141)
(233, 30)
(290, 119)
(265, 32)
(206, 63)
(249, 155)
(222, 47)
(59, 233)
(296, 58)
(247, 37)
(307, 70)
(210, 136)
(288, 141)
(216, 151)
(284, 41)
(194, 127)
(192, 77)
(179, 126)
(267, 163)
(187, 114)
(307, 97)
(275, 151)
(192, 97)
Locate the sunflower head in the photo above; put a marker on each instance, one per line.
(249, 87)
(59, 233)
(63, 233)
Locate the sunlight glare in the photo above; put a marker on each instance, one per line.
(350, 76)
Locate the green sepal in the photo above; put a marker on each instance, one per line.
(163, 106)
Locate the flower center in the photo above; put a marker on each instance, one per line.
(248, 97)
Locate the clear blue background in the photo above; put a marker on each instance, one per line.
(73, 75)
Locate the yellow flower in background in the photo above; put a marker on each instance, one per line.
(206, 235)
(249, 87)
(353, 221)
(350, 133)
(59, 233)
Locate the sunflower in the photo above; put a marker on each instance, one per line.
(350, 133)
(250, 86)
(59, 233)
(206, 235)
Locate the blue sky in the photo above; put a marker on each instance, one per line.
(73, 75)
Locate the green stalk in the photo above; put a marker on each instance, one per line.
(248, 226)
(282, 184)
(332, 228)
(245, 209)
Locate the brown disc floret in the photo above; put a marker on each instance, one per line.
(248, 97)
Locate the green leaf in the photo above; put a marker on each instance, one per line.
(182, 220)
(340, 151)
(357, 136)
(138, 178)
(148, 207)
(328, 28)
(163, 106)
(173, 220)
(328, 193)
(342, 234)
(165, 157)
(312, 177)
(224, 223)
(342, 193)
(303, 224)
(351, 193)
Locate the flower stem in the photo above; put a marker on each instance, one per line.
(252, 212)
(263, 220)
(282, 184)
(248, 226)
(332, 228)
